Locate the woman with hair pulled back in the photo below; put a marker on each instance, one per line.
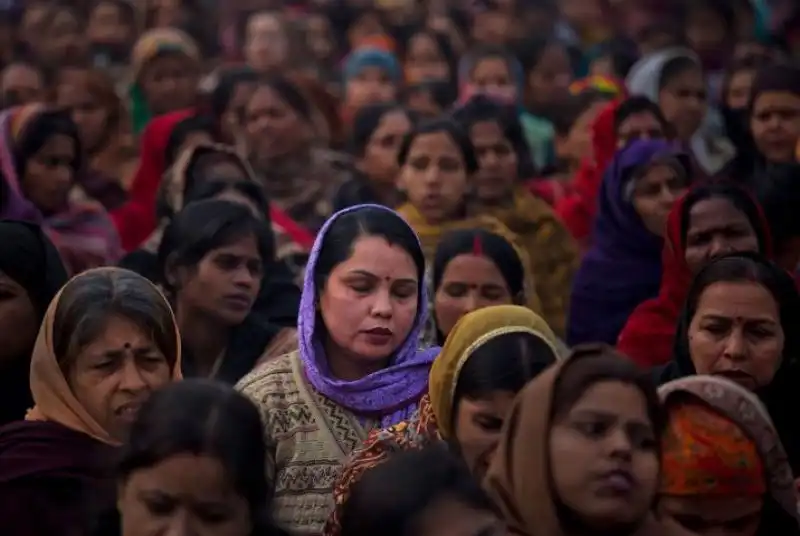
(107, 341)
(211, 260)
(358, 366)
(195, 456)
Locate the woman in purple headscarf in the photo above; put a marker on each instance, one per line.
(358, 365)
(623, 266)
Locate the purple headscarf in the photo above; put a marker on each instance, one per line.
(13, 204)
(623, 266)
(390, 394)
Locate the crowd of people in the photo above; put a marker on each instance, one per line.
(344, 268)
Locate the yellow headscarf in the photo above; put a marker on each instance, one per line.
(470, 333)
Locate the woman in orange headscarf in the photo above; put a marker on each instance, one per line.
(724, 470)
(107, 341)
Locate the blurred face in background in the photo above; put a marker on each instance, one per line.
(21, 83)
(266, 43)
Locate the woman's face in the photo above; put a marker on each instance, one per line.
(49, 174)
(21, 84)
(87, 112)
(654, 194)
(434, 176)
(320, 38)
(370, 301)
(107, 25)
(424, 60)
(549, 80)
(738, 95)
(477, 428)
(19, 323)
(372, 85)
(114, 374)
(736, 332)
(183, 494)
(717, 227)
(775, 124)
(233, 114)
(469, 282)
(706, 31)
(224, 284)
(266, 44)
(380, 154)
(639, 126)
(169, 82)
(684, 103)
(493, 77)
(65, 38)
(497, 162)
(603, 456)
(273, 128)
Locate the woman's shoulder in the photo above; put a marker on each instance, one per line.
(276, 380)
(44, 449)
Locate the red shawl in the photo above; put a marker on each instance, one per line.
(648, 336)
(136, 219)
(578, 208)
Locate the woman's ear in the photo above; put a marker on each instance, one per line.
(173, 272)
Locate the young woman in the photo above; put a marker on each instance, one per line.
(723, 470)
(371, 76)
(162, 55)
(503, 160)
(437, 160)
(623, 265)
(488, 357)
(40, 160)
(426, 493)
(108, 340)
(161, 142)
(583, 437)
(375, 138)
(738, 323)
(711, 220)
(300, 178)
(98, 112)
(195, 457)
(674, 79)
(211, 258)
(227, 102)
(31, 273)
(358, 366)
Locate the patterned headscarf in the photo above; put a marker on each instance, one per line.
(392, 393)
(705, 453)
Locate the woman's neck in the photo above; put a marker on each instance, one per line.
(344, 366)
(205, 339)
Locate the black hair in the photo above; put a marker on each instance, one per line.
(449, 127)
(675, 67)
(779, 194)
(290, 94)
(622, 54)
(442, 92)
(574, 107)
(494, 247)
(778, 77)
(366, 121)
(207, 225)
(88, 300)
(442, 43)
(229, 80)
(637, 105)
(505, 363)
(722, 8)
(337, 245)
(182, 130)
(743, 267)
(41, 128)
(391, 498)
(210, 188)
(481, 109)
(740, 66)
(737, 196)
(205, 418)
(589, 364)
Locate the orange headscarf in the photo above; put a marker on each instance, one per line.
(705, 453)
(53, 398)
